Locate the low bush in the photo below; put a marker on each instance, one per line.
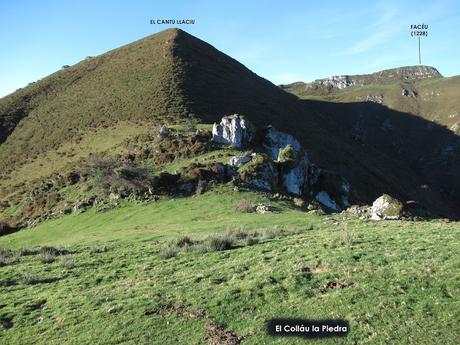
(67, 262)
(251, 240)
(26, 251)
(286, 154)
(7, 257)
(28, 277)
(170, 252)
(52, 251)
(220, 242)
(239, 234)
(245, 206)
(47, 258)
(183, 241)
(98, 249)
(273, 233)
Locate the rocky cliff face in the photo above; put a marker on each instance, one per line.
(402, 73)
(279, 164)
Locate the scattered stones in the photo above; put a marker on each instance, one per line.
(83, 205)
(233, 130)
(114, 196)
(262, 209)
(329, 188)
(163, 132)
(237, 161)
(386, 207)
(299, 202)
(375, 99)
(358, 210)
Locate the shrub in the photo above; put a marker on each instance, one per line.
(52, 251)
(47, 258)
(245, 206)
(26, 251)
(98, 249)
(346, 236)
(67, 262)
(251, 240)
(273, 233)
(7, 257)
(220, 242)
(183, 241)
(28, 277)
(201, 247)
(239, 234)
(286, 154)
(190, 124)
(170, 252)
(107, 175)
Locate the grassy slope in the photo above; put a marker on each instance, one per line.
(135, 83)
(212, 211)
(53, 160)
(405, 274)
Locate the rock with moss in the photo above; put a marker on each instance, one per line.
(276, 142)
(386, 207)
(260, 173)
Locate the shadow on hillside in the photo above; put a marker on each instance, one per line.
(430, 150)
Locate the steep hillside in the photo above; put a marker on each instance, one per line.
(167, 78)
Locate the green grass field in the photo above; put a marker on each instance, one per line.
(116, 285)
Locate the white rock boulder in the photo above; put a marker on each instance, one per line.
(386, 207)
(324, 198)
(233, 130)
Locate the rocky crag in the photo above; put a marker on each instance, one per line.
(345, 81)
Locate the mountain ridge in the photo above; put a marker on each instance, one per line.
(405, 73)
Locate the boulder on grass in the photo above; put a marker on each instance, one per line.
(386, 207)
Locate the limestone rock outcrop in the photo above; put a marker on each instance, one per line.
(276, 140)
(233, 130)
(282, 165)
